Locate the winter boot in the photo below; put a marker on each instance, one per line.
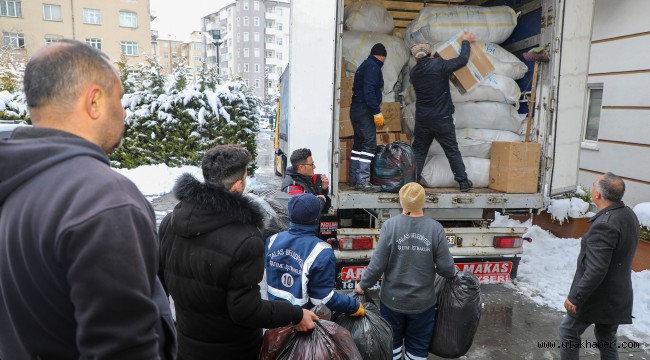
(368, 187)
(354, 170)
(465, 185)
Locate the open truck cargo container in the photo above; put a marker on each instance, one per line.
(309, 110)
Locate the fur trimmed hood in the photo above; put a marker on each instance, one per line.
(205, 207)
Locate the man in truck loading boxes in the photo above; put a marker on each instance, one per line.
(434, 109)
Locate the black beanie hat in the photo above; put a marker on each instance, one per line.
(304, 209)
(378, 49)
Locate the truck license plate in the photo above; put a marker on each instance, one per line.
(451, 240)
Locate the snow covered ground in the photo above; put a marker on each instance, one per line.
(545, 271)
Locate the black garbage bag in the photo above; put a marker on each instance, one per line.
(393, 166)
(371, 333)
(273, 205)
(458, 315)
(328, 340)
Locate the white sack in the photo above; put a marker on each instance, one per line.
(476, 142)
(368, 15)
(356, 49)
(408, 91)
(504, 62)
(408, 118)
(493, 88)
(441, 23)
(437, 173)
(487, 115)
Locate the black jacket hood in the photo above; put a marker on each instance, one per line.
(204, 207)
(31, 150)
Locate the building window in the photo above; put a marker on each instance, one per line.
(246, 22)
(246, 52)
(128, 19)
(197, 47)
(280, 26)
(269, 9)
(91, 16)
(257, 68)
(279, 11)
(269, 24)
(269, 39)
(256, 36)
(96, 43)
(130, 48)
(256, 21)
(51, 12)
(238, 37)
(279, 41)
(594, 105)
(11, 8)
(246, 81)
(51, 40)
(246, 4)
(237, 21)
(279, 70)
(238, 53)
(279, 56)
(269, 54)
(246, 68)
(257, 52)
(246, 37)
(14, 40)
(256, 5)
(257, 83)
(197, 58)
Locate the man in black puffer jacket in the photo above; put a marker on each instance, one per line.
(212, 259)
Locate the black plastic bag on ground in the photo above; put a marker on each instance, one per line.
(458, 315)
(328, 340)
(393, 166)
(371, 333)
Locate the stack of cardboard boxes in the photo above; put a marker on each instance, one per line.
(390, 132)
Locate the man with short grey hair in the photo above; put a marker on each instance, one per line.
(601, 292)
(78, 243)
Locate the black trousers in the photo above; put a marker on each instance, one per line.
(443, 130)
(364, 145)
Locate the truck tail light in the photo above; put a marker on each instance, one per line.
(509, 241)
(357, 243)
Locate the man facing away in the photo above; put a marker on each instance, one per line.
(78, 243)
(412, 248)
(212, 258)
(433, 107)
(601, 292)
(300, 267)
(301, 179)
(365, 116)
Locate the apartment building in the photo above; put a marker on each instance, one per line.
(117, 27)
(253, 43)
(168, 51)
(617, 121)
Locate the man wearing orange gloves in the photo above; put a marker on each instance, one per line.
(365, 116)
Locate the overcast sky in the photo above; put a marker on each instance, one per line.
(180, 18)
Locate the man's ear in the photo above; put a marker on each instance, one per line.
(237, 186)
(93, 102)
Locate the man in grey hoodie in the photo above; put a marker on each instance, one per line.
(412, 248)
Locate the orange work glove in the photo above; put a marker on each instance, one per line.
(360, 311)
(379, 120)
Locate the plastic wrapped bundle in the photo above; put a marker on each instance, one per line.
(476, 142)
(439, 23)
(487, 115)
(437, 173)
(372, 334)
(368, 15)
(458, 315)
(393, 166)
(274, 205)
(495, 88)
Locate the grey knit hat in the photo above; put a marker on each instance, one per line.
(421, 50)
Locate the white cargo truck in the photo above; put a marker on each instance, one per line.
(309, 112)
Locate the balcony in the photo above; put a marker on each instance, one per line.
(272, 31)
(271, 16)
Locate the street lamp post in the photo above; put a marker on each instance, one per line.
(216, 41)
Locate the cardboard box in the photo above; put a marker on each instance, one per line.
(345, 125)
(387, 138)
(346, 91)
(478, 68)
(345, 148)
(392, 117)
(514, 167)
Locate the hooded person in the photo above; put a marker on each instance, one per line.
(411, 246)
(365, 116)
(300, 267)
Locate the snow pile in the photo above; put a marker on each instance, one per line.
(546, 271)
(642, 212)
(562, 209)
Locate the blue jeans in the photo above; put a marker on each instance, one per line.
(364, 145)
(570, 342)
(443, 130)
(413, 330)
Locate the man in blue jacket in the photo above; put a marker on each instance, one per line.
(365, 116)
(300, 267)
(433, 107)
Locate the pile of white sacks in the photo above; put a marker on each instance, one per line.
(485, 114)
